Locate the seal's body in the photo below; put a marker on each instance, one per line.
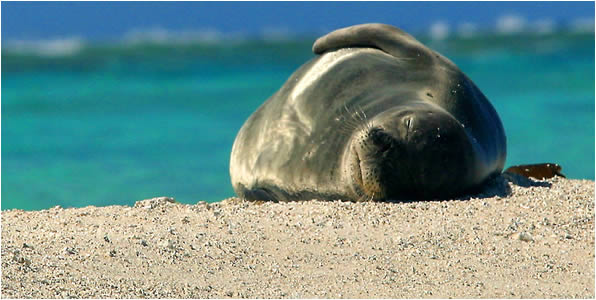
(376, 116)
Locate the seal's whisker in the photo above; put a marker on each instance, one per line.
(368, 124)
(356, 119)
(357, 115)
(353, 114)
(365, 123)
(350, 124)
(360, 113)
(346, 128)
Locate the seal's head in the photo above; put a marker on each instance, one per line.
(416, 151)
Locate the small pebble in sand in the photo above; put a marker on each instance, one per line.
(526, 237)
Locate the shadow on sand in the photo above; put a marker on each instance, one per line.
(499, 186)
(496, 186)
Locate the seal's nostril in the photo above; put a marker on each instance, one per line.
(381, 139)
(384, 148)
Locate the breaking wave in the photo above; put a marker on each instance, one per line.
(510, 25)
(49, 47)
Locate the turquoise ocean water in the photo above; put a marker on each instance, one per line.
(114, 123)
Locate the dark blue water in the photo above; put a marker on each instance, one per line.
(116, 123)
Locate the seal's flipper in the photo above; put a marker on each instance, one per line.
(387, 38)
(538, 171)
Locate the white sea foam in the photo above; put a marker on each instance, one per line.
(543, 26)
(583, 25)
(439, 30)
(467, 30)
(49, 47)
(276, 34)
(161, 35)
(510, 24)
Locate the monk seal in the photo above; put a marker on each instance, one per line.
(375, 116)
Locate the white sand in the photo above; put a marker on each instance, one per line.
(523, 239)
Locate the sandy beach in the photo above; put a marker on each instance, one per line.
(519, 238)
